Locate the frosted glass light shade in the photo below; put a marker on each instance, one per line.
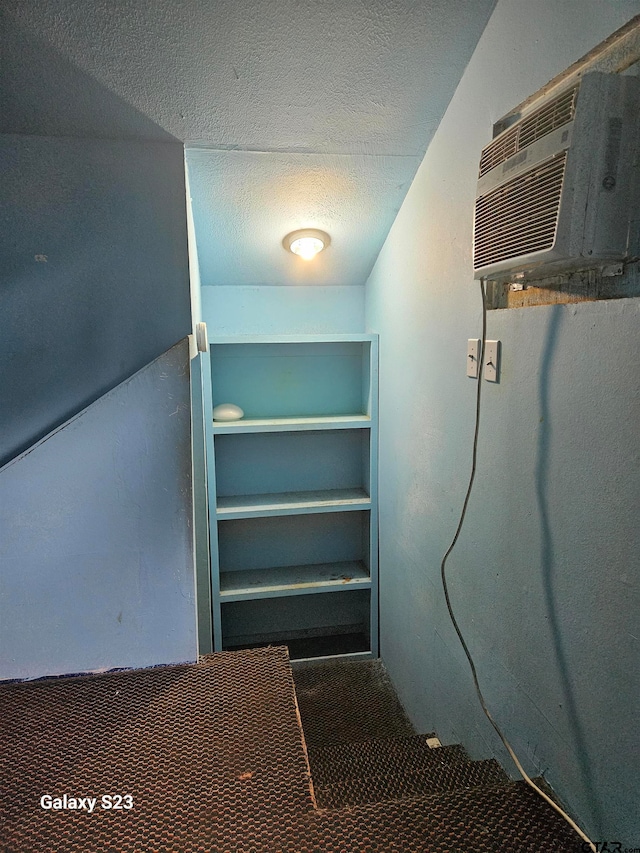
(307, 247)
(306, 243)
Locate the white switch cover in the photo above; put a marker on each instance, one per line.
(473, 357)
(492, 361)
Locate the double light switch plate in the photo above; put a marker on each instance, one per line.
(491, 368)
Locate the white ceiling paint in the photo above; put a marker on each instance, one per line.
(358, 86)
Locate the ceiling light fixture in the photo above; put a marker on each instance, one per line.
(307, 242)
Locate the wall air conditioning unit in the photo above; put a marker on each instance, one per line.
(558, 189)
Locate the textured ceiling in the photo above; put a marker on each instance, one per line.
(245, 202)
(301, 113)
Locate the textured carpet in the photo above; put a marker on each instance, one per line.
(343, 701)
(213, 760)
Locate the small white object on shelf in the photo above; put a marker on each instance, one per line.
(227, 412)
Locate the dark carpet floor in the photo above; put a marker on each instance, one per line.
(210, 758)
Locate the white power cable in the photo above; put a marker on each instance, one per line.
(463, 513)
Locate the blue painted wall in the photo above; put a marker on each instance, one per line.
(285, 310)
(545, 577)
(93, 273)
(96, 534)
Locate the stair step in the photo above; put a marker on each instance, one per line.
(398, 783)
(343, 701)
(364, 759)
(508, 817)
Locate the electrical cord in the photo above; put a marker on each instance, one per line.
(445, 587)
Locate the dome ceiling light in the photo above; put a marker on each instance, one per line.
(306, 242)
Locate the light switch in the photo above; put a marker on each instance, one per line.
(491, 368)
(473, 357)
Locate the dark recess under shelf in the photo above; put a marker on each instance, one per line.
(311, 647)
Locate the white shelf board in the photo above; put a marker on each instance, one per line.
(292, 503)
(291, 424)
(293, 580)
(320, 659)
(355, 337)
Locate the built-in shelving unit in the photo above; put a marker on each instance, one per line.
(292, 492)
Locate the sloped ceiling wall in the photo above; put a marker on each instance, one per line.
(304, 114)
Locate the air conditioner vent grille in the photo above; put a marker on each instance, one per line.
(556, 113)
(519, 217)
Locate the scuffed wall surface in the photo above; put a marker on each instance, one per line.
(545, 577)
(94, 273)
(96, 534)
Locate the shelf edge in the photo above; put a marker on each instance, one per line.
(293, 590)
